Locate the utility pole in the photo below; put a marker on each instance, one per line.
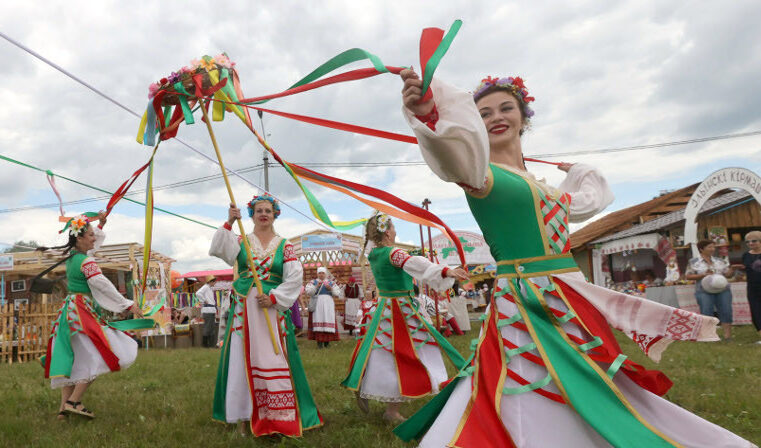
(426, 203)
(265, 159)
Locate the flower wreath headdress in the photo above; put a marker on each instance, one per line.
(264, 197)
(382, 222)
(511, 84)
(78, 224)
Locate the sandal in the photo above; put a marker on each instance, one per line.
(75, 407)
(62, 415)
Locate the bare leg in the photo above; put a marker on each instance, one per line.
(392, 412)
(727, 330)
(243, 428)
(65, 395)
(78, 391)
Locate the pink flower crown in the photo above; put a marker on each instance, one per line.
(513, 85)
(264, 197)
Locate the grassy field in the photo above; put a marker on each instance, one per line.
(165, 398)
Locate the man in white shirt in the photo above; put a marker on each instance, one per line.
(208, 310)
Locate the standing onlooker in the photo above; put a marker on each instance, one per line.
(322, 318)
(208, 311)
(487, 294)
(751, 262)
(701, 267)
(353, 305)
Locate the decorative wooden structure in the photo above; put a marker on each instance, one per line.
(25, 331)
(120, 263)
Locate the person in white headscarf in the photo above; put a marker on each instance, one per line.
(322, 309)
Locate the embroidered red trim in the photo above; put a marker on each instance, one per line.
(430, 119)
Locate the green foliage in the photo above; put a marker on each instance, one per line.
(165, 398)
(20, 246)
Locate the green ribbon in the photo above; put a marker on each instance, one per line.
(220, 387)
(616, 365)
(358, 368)
(441, 50)
(186, 112)
(310, 417)
(63, 355)
(17, 162)
(338, 61)
(527, 387)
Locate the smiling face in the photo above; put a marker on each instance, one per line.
(753, 240)
(264, 214)
(708, 250)
(502, 117)
(86, 241)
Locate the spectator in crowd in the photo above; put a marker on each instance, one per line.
(751, 263)
(712, 300)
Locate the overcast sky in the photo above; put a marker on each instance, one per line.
(604, 74)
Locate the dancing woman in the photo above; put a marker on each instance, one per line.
(255, 384)
(398, 357)
(82, 346)
(547, 370)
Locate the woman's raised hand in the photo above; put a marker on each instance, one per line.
(233, 213)
(412, 93)
(565, 166)
(458, 273)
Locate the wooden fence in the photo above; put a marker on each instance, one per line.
(24, 332)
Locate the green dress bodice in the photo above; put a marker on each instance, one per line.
(391, 280)
(76, 281)
(243, 284)
(518, 219)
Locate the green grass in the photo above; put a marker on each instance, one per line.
(165, 398)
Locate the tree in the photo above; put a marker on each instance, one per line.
(21, 246)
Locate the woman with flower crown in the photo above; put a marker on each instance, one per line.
(254, 384)
(547, 370)
(398, 357)
(82, 346)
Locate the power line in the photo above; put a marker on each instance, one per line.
(329, 164)
(135, 114)
(651, 146)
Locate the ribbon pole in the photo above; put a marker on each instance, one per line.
(247, 247)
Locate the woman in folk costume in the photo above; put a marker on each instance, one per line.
(547, 370)
(353, 305)
(458, 306)
(82, 346)
(446, 317)
(254, 383)
(398, 357)
(323, 324)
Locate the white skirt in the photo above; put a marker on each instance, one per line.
(381, 380)
(324, 315)
(352, 312)
(459, 308)
(88, 363)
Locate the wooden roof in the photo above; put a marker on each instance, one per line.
(109, 257)
(637, 214)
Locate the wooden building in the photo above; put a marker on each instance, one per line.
(120, 263)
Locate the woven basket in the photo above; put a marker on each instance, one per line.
(172, 98)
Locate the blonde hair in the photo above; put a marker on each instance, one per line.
(753, 234)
